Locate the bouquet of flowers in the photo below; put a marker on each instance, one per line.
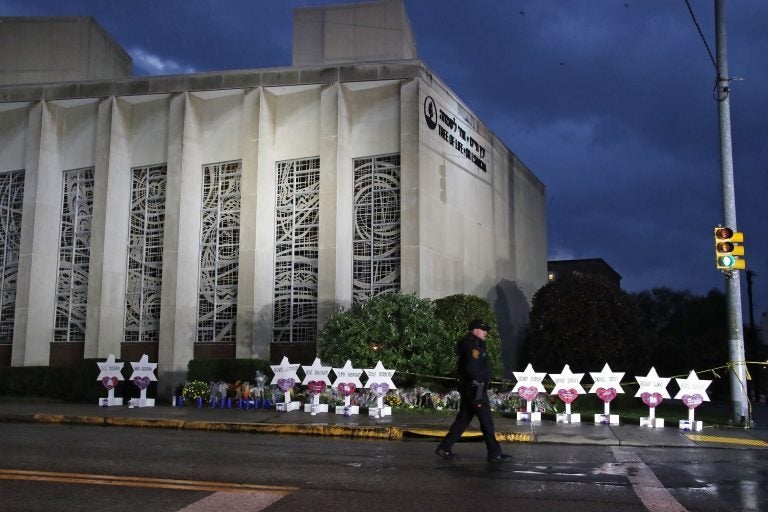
(438, 401)
(393, 400)
(452, 399)
(242, 390)
(196, 389)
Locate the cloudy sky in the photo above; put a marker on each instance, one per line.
(609, 102)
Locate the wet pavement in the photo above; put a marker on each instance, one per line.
(400, 425)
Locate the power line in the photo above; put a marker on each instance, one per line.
(704, 39)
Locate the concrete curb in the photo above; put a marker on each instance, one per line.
(547, 435)
(391, 433)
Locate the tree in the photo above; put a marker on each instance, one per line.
(688, 332)
(456, 311)
(400, 330)
(585, 321)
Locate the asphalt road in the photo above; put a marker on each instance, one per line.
(74, 467)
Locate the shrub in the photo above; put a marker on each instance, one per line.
(76, 383)
(456, 311)
(227, 370)
(400, 330)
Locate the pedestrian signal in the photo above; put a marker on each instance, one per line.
(729, 249)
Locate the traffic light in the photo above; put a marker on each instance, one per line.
(729, 250)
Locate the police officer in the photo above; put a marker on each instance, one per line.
(474, 377)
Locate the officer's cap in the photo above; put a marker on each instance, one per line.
(478, 324)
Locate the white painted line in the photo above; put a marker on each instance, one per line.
(233, 502)
(655, 497)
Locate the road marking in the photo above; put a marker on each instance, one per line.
(232, 502)
(727, 440)
(153, 483)
(653, 494)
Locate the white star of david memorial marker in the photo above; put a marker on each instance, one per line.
(528, 386)
(693, 391)
(606, 385)
(652, 390)
(109, 375)
(316, 372)
(380, 382)
(568, 388)
(143, 374)
(347, 381)
(316, 381)
(285, 378)
(381, 376)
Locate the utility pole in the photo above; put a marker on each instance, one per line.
(732, 284)
(751, 342)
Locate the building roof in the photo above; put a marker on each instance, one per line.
(589, 266)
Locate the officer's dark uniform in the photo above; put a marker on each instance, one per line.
(474, 377)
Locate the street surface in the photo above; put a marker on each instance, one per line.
(88, 468)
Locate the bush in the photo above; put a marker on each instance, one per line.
(400, 330)
(227, 370)
(456, 311)
(76, 383)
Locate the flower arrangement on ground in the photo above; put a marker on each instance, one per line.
(393, 400)
(196, 389)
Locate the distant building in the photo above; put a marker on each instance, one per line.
(589, 267)
(227, 214)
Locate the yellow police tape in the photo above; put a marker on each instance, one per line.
(729, 366)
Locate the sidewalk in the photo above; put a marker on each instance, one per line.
(399, 426)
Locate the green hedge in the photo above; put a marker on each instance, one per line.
(76, 383)
(227, 370)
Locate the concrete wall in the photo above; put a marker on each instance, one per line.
(36, 50)
(363, 32)
(482, 217)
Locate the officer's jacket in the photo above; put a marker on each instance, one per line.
(472, 360)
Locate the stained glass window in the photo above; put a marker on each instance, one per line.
(219, 253)
(297, 212)
(11, 202)
(145, 253)
(376, 239)
(74, 255)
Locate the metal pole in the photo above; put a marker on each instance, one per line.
(732, 283)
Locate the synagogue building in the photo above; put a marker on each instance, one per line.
(228, 214)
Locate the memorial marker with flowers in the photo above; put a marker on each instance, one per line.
(607, 384)
(347, 382)
(652, 391)
(693, 392)
(567, 388)
(286, 378)
(316, 381)
(380, 383)
(143, 374)
(110, 375)
(528, 387)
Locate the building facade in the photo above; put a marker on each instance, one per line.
(228, 214)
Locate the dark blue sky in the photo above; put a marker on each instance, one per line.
(609, 102)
